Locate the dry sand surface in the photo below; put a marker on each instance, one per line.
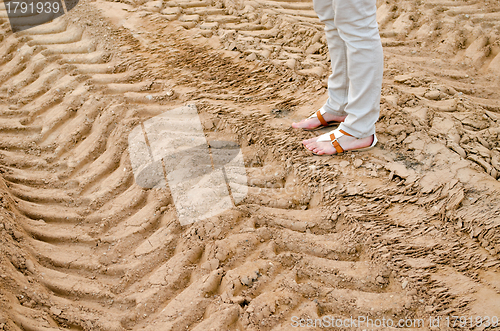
(410, 229)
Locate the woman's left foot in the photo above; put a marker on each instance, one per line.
(313, 123)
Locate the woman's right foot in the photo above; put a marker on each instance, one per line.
(313, 122)
(347, 143)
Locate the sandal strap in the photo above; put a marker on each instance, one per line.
(336, 144)
(332, 137)
(347, 134)
(321, 119)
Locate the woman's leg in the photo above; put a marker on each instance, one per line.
(338, 83)
(357, 26)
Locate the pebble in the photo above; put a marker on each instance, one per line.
(404, 284)
(316, 71)
(265, 53)
(238, 299)
(55, 310)
(290, 63)
(433, 95)
(344, 164)
(30, 266)
(246, 281)
(251, 57)
(402, 78)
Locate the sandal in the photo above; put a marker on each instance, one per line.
(324, 124)
(332, 137)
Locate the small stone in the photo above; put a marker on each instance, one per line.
(314, 48)
(189, 18)
(238, 299)
(17, 235)
(344, 164)
(55, 310)
(380, 280)
(265, 53)
(221, 256)
(316, 72)
(246, 281)
(290, 63)
(402, 78)
(30, 266)
(404, 284)
(251, 57)
(171, 11)
(433, 95)
(358, 163)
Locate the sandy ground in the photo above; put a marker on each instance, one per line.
(408, 230)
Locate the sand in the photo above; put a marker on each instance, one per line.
(409, 230)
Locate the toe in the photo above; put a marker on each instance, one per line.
(299, 125)
(325, 148)
(309, 141)
(309, 147)
(307, 124)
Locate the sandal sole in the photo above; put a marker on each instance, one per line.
(363, 149)
(323, 126)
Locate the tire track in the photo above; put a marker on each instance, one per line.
(82, 239)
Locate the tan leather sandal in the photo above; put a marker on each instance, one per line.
(324, 124)
(333, 137)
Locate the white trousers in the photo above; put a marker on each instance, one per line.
(357, 60)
